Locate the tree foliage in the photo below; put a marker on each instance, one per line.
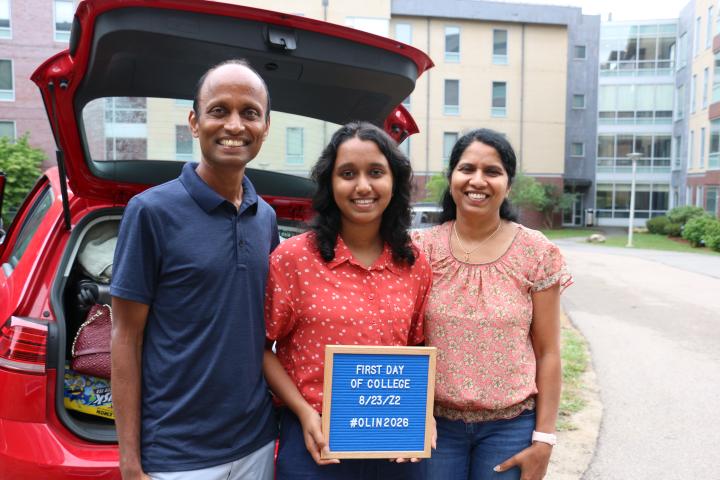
(20, 163)
(547, 199)
(435, 187)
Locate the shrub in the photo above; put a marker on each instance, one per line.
(695, 228)
(21, 164)
(657, 224)
(673, 230)
(711, 238)
(681, 215)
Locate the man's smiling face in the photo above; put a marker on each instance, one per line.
(231, 122)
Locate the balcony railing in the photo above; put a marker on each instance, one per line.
(624, 165)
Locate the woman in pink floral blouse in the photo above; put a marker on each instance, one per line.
(494, 315)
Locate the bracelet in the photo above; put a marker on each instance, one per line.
(549, 438)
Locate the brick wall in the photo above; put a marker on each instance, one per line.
(31, 44)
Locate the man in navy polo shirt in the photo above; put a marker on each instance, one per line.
(188, 282)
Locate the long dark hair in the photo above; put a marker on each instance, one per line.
(396, 217)
(492, 139)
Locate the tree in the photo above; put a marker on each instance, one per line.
(21, 165)
(435, 187)
(547, 199)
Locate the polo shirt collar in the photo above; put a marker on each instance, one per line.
(209, 199)
(343, 255)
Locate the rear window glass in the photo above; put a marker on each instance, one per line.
(139, 128)
(30, 225)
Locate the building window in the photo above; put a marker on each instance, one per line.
(712, 197)
(499, 99)
(64, 12)
(183, 143)
(656, 151)
(449, 139)
(294, 146)
(7, 84)
(5, 29)
(7, 129)
(500, 47)
(452, 44)
(635, 104)
(579, 52)
(120, 148)
(691, 147)
(709, 29)
(699, 196)
(716, 79)
(714, 151)
(613, 200)
(682, 51)
(577, 149)
(677, 153)
(578, 101)
(692, 93)
(706, 75)
(452, 97)
(638, 49)
(680, 103)
(696, 41)
(403, 33)
(702, 147)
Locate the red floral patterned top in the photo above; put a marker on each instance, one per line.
(310, 303)
(479, 317)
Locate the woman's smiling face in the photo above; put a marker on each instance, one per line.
(362, 182)
(479, 182)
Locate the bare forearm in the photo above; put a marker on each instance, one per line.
(549, 381)
(126, 387)
(282, 385)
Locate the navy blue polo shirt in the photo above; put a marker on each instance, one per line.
(201, 265)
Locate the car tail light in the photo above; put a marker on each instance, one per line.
(23, 345)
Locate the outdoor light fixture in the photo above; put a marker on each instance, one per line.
(634, 158)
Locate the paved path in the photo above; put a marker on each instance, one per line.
(653, 323)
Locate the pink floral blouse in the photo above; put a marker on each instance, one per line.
(479, 317)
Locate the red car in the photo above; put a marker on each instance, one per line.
(117, 101)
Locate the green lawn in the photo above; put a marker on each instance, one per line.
(653, 241)
(568, 233)
(575, 356)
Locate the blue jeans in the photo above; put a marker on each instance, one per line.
(471, 450)
(295, 463)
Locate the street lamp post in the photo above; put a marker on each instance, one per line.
(634, 158)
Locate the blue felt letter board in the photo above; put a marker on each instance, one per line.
(378, 400)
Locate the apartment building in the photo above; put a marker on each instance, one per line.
(528, 71)
(700, 177)
(30, 32)
(635, 114)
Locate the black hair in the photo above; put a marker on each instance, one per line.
(493, 139)
(234, 61)
(396, 217)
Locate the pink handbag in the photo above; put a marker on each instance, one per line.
(91, 347)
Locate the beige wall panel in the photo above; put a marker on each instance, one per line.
(542, 152)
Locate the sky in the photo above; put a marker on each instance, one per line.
(621, 9)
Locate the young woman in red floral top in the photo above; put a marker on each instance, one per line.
(355, 279)
(494, 315)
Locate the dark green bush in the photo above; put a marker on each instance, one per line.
(695, 228)
(711, 238)
(657, 224)
(681, 215)
(21, 164)
(673, 230)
